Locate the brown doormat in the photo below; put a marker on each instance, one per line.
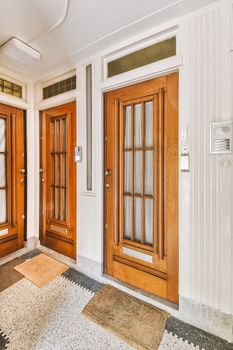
(140, 324)
(41, 269)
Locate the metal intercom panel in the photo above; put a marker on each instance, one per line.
(221, 137)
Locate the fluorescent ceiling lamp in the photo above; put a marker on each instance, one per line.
(19, 51)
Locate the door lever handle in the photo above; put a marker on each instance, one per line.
(107, 172)
(41, 170)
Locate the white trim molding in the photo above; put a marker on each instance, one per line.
(13, 101)
(57, 100)
(52, 80)
(207, 318)
(136, 46)
(18, 82)
(147, 72)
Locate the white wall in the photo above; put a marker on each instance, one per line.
(206, 228)
(206, 194)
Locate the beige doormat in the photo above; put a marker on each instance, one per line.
(140, 324)
(41, 269)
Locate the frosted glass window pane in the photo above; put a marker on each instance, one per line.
(149, 124)
(142, 57)
(138, 172)
(64, 135)
(2, 206)
(53, 136)
(148, 173)
(138, 125)
(2, 135)
(128, 217)
(128, 173)
(149, 221)
(2, 170)
(137, 219)
(89, 125)
(59, 88)
(127, 123)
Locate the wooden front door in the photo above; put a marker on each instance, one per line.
(58, 179)
(141, 185)
(12, 180)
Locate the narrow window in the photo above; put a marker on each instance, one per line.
(89, 125)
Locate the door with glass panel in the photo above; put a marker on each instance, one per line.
(12, 179)
(141, 185)
(58, 179)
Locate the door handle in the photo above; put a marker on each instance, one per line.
(22, 170)
(41, 170)
(107, 172)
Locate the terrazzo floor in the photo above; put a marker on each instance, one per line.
(50, 319)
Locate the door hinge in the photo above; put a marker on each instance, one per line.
(106, 226)
(23, 216)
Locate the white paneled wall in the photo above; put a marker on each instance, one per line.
(206, 228)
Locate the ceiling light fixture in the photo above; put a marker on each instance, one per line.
(18, 51)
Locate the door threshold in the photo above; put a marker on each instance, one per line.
(58, 256)
(160, 303)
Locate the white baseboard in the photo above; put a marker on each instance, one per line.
(90, 267)
(32, 243)
(207, 318)
(64, 259)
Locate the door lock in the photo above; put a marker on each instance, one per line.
(22, 170)
(107, 172)
(41, 170)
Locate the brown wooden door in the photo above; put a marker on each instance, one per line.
(58, 179)
(12, 179)
(141, 185)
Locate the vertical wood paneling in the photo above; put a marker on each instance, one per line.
(206, 248)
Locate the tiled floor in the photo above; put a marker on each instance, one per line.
(178, 335)
(8, 275)
(4, 340)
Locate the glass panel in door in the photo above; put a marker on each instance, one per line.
(3, 184)
(138, 160)
(58, 163)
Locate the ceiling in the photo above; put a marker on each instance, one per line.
(64, 31)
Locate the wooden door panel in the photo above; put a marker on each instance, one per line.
(140, 279)
(58, 178)
(141, 196)
(12, 179)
